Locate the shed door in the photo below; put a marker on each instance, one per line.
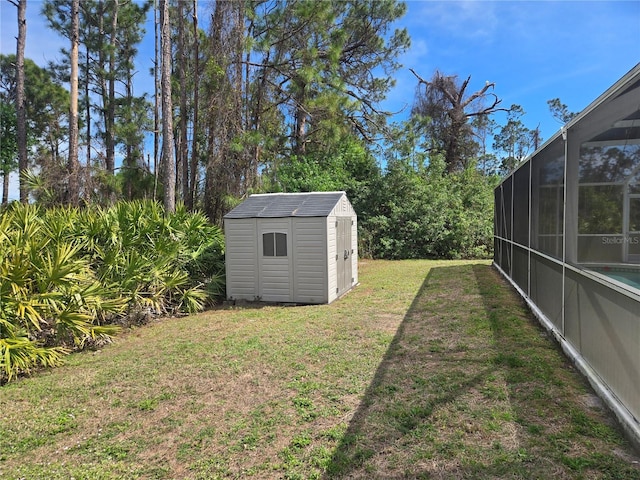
(343, 254)
(275, 260)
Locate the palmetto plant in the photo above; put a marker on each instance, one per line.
(50, 300)
(151, 256)
(67, 274)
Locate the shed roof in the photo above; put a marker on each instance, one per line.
(278, 205)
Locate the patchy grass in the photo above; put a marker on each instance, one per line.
(426, 370)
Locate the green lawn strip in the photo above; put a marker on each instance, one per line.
(426, 370)
(472, 387)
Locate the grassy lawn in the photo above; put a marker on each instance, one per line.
(426, 370)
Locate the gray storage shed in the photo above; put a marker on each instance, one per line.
(291, 248)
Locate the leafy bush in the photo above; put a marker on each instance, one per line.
(68, 276)
(422, 212)
(50, 299)
(412, 210)
(150, 255)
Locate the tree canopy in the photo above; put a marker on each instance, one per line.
(264, 96)
(449, 108)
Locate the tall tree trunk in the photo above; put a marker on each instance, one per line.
(225, 168)
(102, 66)
(169, 181)
(193, 168)
(183, 158)
(111, 99)
(300, 132)
(156, 110)
(252, 117)
(130, 161)
(87, 113)
(242, 171)
(21, 113)
(301, 117)
(72, 164)
(177, 150)
(5, 188)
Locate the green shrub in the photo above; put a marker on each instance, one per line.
(423, 212)
(68, 276)
(161, 263)
(50, 299)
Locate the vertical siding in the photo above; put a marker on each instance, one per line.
(332, 245)
(310, 261)
(275, 273)
(354, 247)
(240, 258)
(342, 209)
(308, 274)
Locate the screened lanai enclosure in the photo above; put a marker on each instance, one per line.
(567, 235)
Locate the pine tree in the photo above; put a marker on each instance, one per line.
(46, 116)
(109, 32)
(167, 159)
(72, 164)
(20, 99)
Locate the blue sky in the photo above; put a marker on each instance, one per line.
(532, 50)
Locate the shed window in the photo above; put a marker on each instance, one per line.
(274, 244)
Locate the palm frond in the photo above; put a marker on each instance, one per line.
(20, 354)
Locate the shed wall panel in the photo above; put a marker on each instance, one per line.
(332, 251)
(310, 271)
(240, 258)
(354, 248)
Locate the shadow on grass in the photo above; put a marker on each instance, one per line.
(471, 387)
(399, 400)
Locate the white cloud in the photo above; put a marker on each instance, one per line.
(463, 19)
